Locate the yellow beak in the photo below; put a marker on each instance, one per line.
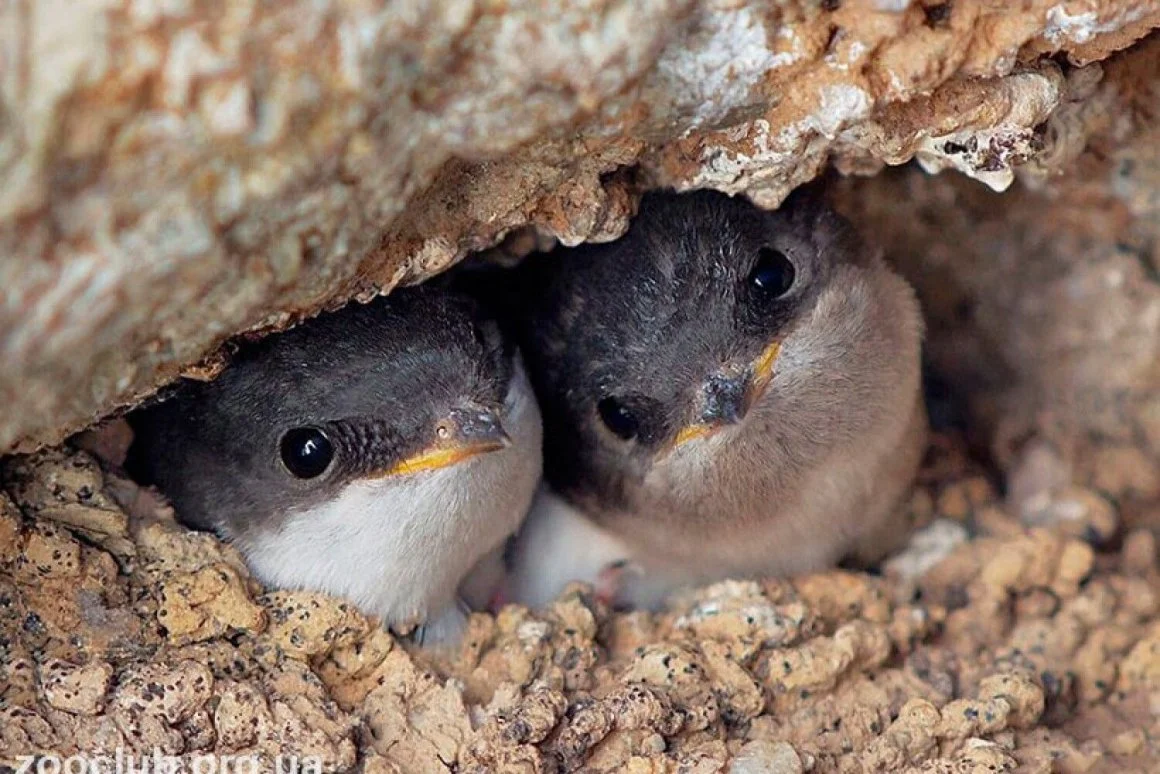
(760, 374)
(692, 432)
(464, 433)
(436, 458)
(763, 371)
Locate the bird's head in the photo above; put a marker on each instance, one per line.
(407, 386)
(710, 321)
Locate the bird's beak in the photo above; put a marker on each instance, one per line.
(762, 369)
(729, 394)
(464, 433)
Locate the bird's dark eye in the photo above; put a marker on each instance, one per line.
(306, 452)
(773, 274)
(617, 417)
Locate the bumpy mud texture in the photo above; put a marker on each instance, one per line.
(1043, 304)
(1031, 650)
(172, 173)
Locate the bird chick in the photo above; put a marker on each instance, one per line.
(726, 391)
(378, 453)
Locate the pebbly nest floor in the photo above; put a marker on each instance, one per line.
(988, 646)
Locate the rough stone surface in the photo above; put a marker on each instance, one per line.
(175, 173)
(1043, 304)
(1021, 649)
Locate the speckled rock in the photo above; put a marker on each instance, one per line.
(1043, 304)
(1015, 649)
(172, 174)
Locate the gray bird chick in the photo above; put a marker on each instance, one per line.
(726, 391)
(377, 453)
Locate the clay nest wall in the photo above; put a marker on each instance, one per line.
(173, 174)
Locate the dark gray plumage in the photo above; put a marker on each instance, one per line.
(726, 392)
(435, 441)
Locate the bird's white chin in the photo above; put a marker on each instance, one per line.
(372, 544)
(399, 547)
(691, 458)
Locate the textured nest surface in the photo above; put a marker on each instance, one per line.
(1033, 650)
(1020, 631)
(173, 173)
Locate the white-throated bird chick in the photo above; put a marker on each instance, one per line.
(726, 391)
(378, 453)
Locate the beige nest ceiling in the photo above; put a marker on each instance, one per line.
(173, 173)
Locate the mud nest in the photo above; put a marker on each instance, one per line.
(986, 646)
(1020, 631)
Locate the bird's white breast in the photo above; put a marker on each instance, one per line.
(399, 547)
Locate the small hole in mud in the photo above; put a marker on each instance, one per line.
(938, 15)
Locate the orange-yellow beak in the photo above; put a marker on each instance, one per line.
(728, 396)
(763, 371)
(460, 436)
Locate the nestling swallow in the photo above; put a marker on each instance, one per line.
(377, 453)
(726, 391)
